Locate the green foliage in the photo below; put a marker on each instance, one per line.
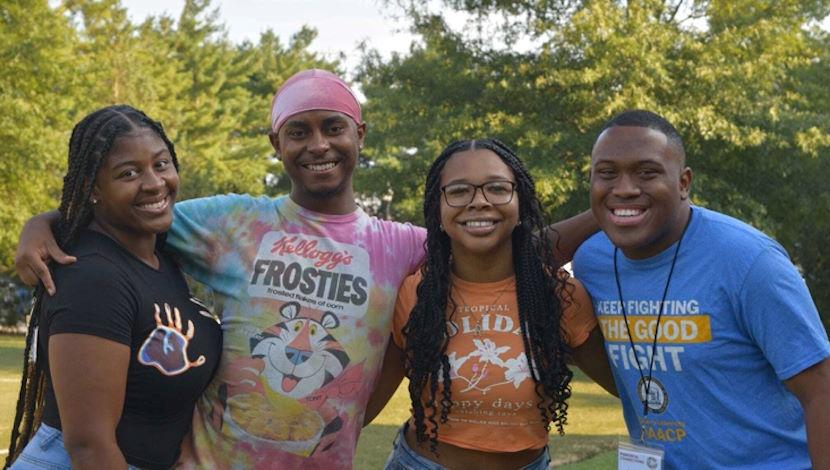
(744, 82)
(36, 90)
(63, 60)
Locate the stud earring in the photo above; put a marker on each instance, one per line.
(94, 201)
(440, 227)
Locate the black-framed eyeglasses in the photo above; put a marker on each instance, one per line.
(495, 192)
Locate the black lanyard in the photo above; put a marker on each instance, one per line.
(661, 307)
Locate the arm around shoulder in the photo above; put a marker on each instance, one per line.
(566, 235)
(37, 247)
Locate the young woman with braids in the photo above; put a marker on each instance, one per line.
(488, 300)
(122, 349)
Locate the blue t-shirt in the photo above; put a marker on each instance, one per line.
(737, 321)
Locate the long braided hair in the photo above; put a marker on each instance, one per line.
(91, 141)
(539, 288)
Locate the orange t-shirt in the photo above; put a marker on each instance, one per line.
(494, 398)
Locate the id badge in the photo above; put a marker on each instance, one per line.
(631, 456)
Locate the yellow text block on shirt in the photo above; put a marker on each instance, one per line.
(673, 329)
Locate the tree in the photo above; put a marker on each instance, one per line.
(37, 90)
(740, 79)
(65, 60)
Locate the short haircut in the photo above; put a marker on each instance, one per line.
(650, 120)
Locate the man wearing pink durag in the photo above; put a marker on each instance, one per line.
(305, 285)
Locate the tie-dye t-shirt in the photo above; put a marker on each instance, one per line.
(306, 303)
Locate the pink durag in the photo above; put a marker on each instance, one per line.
(310, 90)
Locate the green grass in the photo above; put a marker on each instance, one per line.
(594, 420)
(11, 360)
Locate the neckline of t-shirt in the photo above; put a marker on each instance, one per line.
(127, 252)
(319, 216)
(493, 286)
(665, 256)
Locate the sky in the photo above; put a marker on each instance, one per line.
(340, 24)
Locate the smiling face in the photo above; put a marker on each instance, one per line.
(319, 151)
(639, 189)
(135, 188)
(479, 228)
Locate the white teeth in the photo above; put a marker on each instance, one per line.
(479, 223)
(321, 167)
(155, 205)
(627, 212)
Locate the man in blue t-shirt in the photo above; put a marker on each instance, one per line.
(718, 352)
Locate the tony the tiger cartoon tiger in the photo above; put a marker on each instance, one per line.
(300, 354)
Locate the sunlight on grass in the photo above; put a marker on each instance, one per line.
(11, 360)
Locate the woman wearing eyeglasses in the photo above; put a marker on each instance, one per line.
(488, 302)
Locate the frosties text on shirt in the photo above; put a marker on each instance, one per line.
(316, 272)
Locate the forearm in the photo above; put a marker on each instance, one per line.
(45, 219)
(390, 378)
(817, 418)
(568, 234)
(591, 358)
(812, 387)
(94, 453)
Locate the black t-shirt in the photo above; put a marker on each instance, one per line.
(111, 294)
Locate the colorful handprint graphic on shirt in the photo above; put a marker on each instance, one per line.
(166, 346)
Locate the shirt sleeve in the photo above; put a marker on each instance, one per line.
(578, 318)
(408, 245)
(407, 295)
(778, 313)
(94, 298)
(202, 230)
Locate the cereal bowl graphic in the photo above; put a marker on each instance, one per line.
(294, 429)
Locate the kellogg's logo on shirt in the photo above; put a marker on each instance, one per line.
(316, 272)
(308, 249)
